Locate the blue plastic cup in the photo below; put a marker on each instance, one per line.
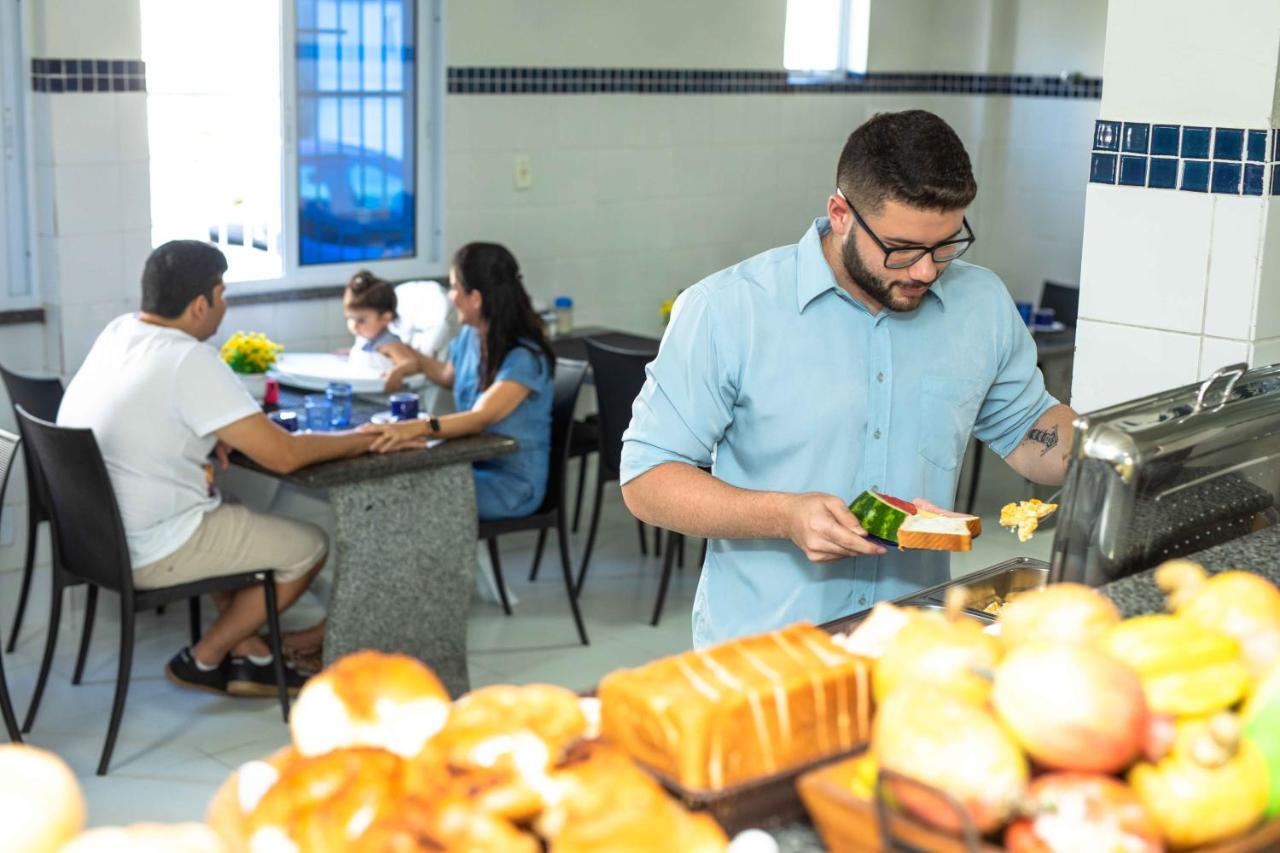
(319, 412)
(1044, 318)
(287, 421)
(339, 394)
(1025, 310)
(404, 406)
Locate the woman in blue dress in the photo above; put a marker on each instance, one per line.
(500, 368)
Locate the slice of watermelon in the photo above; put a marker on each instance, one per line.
(881, 515)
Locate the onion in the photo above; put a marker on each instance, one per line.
(1071, 812)
(932, 735)
(1063, 612)
(1242, 605)
(1071, 706)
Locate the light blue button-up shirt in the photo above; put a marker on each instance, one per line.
(775, 377)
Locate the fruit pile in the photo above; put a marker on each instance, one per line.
(1071, 729)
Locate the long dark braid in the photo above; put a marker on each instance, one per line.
(491, 269)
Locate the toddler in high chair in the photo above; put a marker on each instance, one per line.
(369, 304)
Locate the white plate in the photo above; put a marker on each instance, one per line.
(388, 418)
(312, 371)
(1056, 326)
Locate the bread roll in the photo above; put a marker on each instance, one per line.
(148, 838)
(421, 825)
(388, 701)
(41, 806)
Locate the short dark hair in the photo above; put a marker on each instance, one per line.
(176, 273)
(366, 290)
(912, 157)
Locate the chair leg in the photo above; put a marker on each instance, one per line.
(562, 536)
(28, 568)
(86, 633)
(537, 554)
(582, 487)
(973, 478)
(50, 643)
(160, 610)
(591, 537)
(274, 638)
(193, 606)
(702, 561)
(497, 574)
(667, 559)
(644, 545)
(122, 684)
(680, 554)
(657, 541)
(6, 708)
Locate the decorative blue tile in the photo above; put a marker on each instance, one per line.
(1164, 173)
(1103, 169)
(1275, 144)
(1134, 138)
(1195, 142)
(1164, 139)
(1195, 175)
(1226, 178)
(1257, 148)
(1275, 180)
(1106, 135)
(1133, 171)
(1253, 177)
(1228, 143)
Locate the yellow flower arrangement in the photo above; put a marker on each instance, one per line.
(251, 352)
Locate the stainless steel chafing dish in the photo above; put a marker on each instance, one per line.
(1170, 474)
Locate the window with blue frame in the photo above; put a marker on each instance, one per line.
(355, 106)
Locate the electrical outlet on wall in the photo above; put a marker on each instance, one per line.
(524, 171)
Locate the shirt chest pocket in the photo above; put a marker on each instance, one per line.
(950, 409)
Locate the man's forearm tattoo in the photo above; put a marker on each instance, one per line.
(1047, 437)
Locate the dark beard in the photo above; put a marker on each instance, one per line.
(872, 285)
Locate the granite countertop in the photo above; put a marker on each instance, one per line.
(1258, 552)
(340, 472)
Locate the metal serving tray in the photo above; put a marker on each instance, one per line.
(983, 589)
(1170, 474)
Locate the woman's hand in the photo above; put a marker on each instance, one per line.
(394, 436)
(393, 380)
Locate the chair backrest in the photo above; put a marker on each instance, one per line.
(88, 535)
(1063, 299)
(8, 449)
(426, 318)
(41, 397)
(619, 376)
(564, 399)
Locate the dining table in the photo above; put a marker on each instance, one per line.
(403, 554)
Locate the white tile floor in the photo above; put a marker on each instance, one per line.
(176, 746)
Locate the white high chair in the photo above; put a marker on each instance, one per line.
(427, 322)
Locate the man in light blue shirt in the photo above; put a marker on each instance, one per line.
(862, 357)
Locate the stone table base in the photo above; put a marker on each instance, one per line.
(406, 550)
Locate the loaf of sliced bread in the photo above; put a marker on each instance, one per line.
(936, 533)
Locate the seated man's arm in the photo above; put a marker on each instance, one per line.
(284, 452)
(682, 412)
(1042, 455)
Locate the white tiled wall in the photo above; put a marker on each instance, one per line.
(1115, 363)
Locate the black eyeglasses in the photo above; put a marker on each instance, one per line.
(902, 257)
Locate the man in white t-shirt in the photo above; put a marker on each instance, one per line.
(159, 401)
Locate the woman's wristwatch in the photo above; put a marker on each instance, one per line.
(433, 425)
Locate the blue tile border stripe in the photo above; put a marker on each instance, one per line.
(1194, 158)
(61, 76)
(506, 80)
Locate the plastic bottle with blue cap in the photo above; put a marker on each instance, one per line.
(564, 315)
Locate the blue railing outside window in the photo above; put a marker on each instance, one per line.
(356, 175)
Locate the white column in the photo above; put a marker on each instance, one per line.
(1181, 262)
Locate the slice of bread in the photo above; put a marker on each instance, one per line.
(936, 533)
(973, 522)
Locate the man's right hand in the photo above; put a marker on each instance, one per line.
(822, 527)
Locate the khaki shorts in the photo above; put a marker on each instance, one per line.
(234, 539)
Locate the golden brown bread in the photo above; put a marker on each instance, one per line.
(418, 825)
(369, 698)
(41, 806)
(606, 802)
(744, 709)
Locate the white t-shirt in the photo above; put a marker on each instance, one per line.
(153, 397)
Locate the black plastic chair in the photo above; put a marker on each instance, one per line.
(552, 514)
(619, 376)
(89, 546)
(41, 397)
(583, 441)
(8, 449)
